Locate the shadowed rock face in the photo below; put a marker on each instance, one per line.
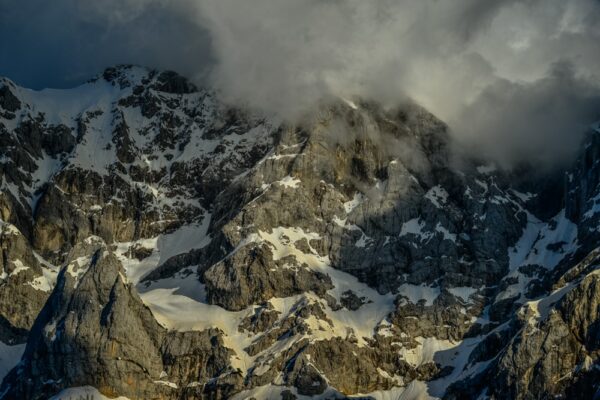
(8, 101)
(551, 349)
(24, 288)
(354, 252)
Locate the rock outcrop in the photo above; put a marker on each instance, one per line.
(25, 285)
(94, 330)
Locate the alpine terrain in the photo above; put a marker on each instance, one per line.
(159, 244)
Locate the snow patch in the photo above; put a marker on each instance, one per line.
(180, 303)
(437, 195)
(289, 182)
(415, 226)
(10, 357)
(417, 293)
(425, 351)
(416, 390)
(83, 393)
(524, 197)
(463, 292)
(350, 104)
(447, 235)
(544, 244)
(19, 266)
(165, 246)
(356, 201)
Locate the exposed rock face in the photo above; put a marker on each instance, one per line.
(551, 357)
(247, 277)
(554, 352)
(24, 287)
(206, 252)
(94, 311)
(8, 101)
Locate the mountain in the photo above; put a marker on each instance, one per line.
(160, 244)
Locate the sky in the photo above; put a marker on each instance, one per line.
(514, 79)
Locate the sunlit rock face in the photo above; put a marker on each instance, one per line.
(157, 243)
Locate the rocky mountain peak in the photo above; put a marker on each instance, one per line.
(159, 243)
(95, 310)
(139, 78)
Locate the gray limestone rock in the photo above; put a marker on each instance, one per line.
(23, 286)
(250, 276)
(94, 330)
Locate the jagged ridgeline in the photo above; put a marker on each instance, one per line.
(158, 244)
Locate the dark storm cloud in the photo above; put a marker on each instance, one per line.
(542, 121)
(513, 78)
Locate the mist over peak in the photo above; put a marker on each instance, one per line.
(514, 79)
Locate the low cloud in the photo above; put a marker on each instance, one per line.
(538, 122)
(515, 79)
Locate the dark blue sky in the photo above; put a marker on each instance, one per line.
(60, 43)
